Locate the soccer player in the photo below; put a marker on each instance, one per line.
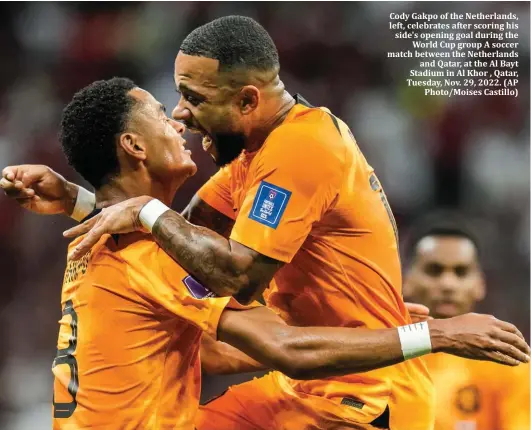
(445, 274)
(296, 207)
(132, 318)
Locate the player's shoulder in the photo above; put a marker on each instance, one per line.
(493, 374)
(121, 249)
(486, 373)
(509, 375)
(319, 124)
(100, 263)
(138, 248)
(310, 132)
(105, 245)
(144, 259)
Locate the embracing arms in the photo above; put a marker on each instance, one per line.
(42, 190)
(301, 352)
(230, 268)
(226, 266)
(320, 352)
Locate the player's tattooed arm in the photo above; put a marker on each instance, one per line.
(227, 267)
(200, 213)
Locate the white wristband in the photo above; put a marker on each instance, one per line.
(85, 203)
(415, 339)
(151, 212)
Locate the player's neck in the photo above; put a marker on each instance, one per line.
(274, 114)
(125, 188)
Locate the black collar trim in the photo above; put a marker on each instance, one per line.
(302, 101)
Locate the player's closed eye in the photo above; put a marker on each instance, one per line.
(191, 99)
(194, 101)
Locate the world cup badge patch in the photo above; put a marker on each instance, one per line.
(269, 204)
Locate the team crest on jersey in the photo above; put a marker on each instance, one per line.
(269, 204)
(197, 289)
(468, 400)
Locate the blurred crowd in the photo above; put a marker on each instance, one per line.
(469, 154)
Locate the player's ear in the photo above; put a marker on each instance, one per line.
(248, 98)
(133, 145)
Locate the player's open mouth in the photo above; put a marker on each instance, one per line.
(207, 142)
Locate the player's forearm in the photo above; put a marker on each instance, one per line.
(320, 352)
(202, 214)
(201, 252)
(325, 352)
(219, 358)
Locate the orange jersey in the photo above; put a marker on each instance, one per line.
(128, 347)
(309, 198)
(478, 395)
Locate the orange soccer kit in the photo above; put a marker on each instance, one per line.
(309, 198)
(479, 395)
(128, 347)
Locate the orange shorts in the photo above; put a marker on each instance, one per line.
(262, 404)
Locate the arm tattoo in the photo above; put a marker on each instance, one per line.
(178, 238)
(210, 258)
(200, 213)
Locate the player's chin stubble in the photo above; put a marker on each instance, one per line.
(228, 146)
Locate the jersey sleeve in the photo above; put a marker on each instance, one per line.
(216, 192)
(294, 181)
(167, 285)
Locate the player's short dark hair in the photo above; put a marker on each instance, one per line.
(90, 124)
(447, 224)
(235, 41)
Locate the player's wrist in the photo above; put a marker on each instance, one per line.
(415, 340)
(70, 197)
(150, 213)
(79, 202)
(439, 337)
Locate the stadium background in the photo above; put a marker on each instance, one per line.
(470, 154)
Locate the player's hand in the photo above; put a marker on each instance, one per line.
(418, 312)
(39, 189)
(479, 337)
(119, 218)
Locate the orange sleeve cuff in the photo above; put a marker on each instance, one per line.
(210, 194)
(261, 245)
